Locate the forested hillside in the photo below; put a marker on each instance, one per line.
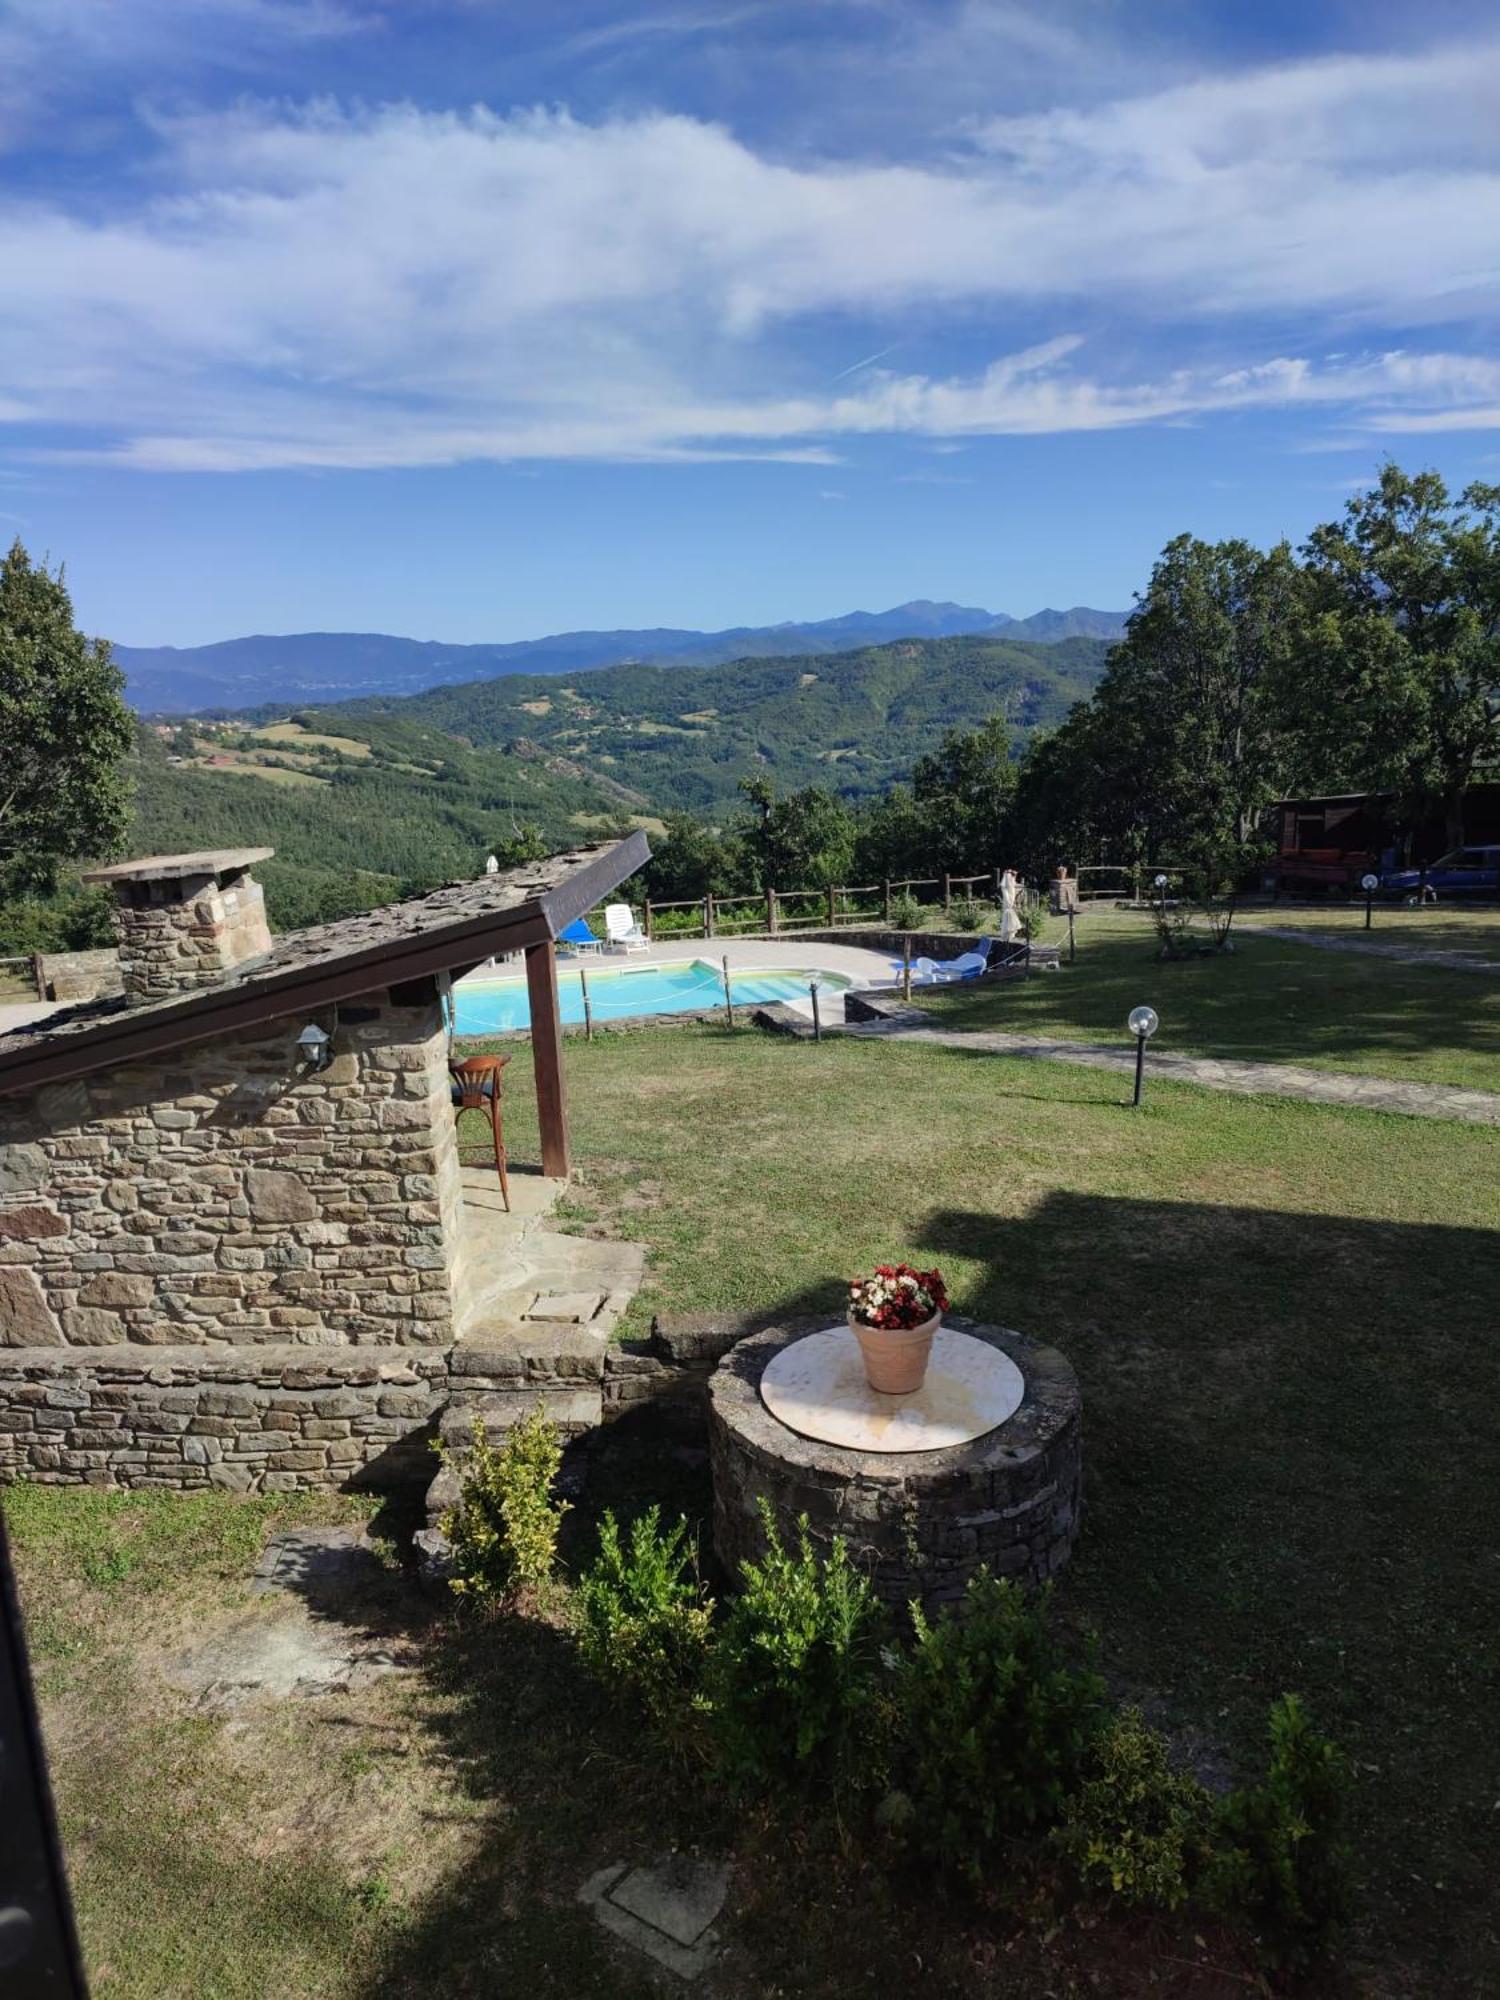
(353, 816)
(684, 737)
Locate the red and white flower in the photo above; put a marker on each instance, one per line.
(897, 1296)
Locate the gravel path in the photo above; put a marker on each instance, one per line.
(1316, 1086)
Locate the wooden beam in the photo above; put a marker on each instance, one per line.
(547, 1060)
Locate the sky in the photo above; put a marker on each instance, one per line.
(480, 319)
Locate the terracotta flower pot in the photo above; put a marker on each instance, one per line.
(895, 1357)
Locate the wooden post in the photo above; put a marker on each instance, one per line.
(588, 1012)
(887, 886)
(771, 911)
(648, 920)
(906, 967)
(708, 914)
(833, 908)
(547, 1060)
(947, 894)
(997, 885)
(728, 1000)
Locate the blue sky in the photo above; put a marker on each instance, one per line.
(475, 319)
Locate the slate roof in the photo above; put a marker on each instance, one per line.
(450, 930)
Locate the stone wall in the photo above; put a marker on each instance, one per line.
(224, 1195)
(79, 975)
(919, 1524)
(244, 1419)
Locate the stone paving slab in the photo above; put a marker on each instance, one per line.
(1251, 1079)
(666, 1911)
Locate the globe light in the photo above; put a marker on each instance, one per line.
(1369, 883)
(1142, 1021)
(1161, 881)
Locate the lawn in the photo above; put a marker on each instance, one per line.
(1268, 1001)
(1282, 1316)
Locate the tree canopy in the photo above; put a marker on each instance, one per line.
(65, 728)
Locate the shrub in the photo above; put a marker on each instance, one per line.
(1136, 1827)
(907, 913)
(1279, 1856)
(643, 1617)
(996, 1725)
(504, 1527)
(795, 1676)
(967, 913)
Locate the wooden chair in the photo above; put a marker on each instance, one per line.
(476, 1087)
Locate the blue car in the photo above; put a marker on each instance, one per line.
(1466, 871)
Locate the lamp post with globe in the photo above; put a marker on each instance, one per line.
(1369, 883)
(1143, 1025)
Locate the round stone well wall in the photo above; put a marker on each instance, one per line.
(918, 1523)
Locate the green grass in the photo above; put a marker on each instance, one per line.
(1268, 1001)
(1282, 1316)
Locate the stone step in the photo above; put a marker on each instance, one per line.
(509, 1352)
(573, 1410)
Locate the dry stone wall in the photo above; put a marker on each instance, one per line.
(220, 1268)
(225, 1195)
(261, 1420)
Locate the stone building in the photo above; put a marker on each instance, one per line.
(233, 1253)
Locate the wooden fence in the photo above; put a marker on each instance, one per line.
(782, 912)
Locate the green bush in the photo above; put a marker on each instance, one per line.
(996, 1726)
(1135, 1827)
(643, 1617)
(504, 1528)
(907, 913)
(969, 914)
(1279, 1860)
(796, 1672)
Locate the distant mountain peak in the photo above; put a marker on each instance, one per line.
(304, 668)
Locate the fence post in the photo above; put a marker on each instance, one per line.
(833, 912)
(887, 886)
(947, 894)
(588, 1012)
(728, 1001)
(708, 914)
(648, 920)
(38, 978)
(906, 968)
(771, 911)
(997, 885)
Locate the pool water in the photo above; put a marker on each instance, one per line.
(494, 1006)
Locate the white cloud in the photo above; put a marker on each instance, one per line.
(318, 285)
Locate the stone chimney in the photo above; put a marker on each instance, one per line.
(185, 920)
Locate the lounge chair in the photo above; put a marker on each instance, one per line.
(577, 936)
(621, 929)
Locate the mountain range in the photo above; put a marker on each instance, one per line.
(302, 667)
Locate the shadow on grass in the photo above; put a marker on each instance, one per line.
(1291, 1484)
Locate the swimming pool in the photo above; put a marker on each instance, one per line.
(486, 1005)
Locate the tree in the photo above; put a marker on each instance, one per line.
(804, 841)
(1190, 690)
(691, 860)
(1398, 686)
(964, 791)
(65, 728)
(523, 844)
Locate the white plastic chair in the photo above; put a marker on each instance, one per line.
(621, 928)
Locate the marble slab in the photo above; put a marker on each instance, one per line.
(816, 1386)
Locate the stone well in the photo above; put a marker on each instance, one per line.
(920, 1523)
